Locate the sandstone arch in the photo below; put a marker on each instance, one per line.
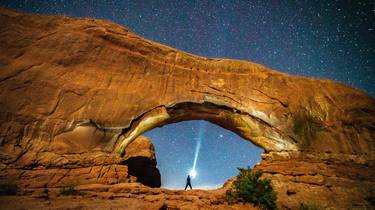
(59, 73)
(245, 125)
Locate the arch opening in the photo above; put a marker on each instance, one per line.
(212, 152)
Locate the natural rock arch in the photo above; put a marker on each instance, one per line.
(60, 73)
(245, 125)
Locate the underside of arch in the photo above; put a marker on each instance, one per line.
(245, 125)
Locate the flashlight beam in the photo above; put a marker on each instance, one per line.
(202, 129)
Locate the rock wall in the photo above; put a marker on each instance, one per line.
(64, 79)
(75, 165)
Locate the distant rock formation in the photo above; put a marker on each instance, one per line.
(74, 93)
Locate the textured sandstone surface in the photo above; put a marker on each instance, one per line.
(73, 169)
(74, 94)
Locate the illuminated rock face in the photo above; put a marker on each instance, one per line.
(75, 92)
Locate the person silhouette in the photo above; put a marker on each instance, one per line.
(188, 182)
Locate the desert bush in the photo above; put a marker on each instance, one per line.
(249, 188)
(8, 189)
(308, 206)
(69, 190)
(371, 198)
(307, 124)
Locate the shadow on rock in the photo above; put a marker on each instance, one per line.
(145, 170)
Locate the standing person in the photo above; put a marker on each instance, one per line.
(188, 182)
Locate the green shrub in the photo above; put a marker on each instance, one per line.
(307, 125)
(308, 206)
(371, 198)
(69, 190)
(249, 188)
(8, 189)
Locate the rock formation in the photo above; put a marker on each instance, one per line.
(74, 94)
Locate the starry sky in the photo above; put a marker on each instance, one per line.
(324, 39)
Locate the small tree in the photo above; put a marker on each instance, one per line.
(8, 189)
(308, 206)
(249, 188)
(371, 198)
(69, 190)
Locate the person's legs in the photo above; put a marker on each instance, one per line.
(186, 186)
(190, 186)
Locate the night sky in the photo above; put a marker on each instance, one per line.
(324, 39)
(220, 153)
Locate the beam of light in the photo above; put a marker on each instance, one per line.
(193, 173)
(202, 128)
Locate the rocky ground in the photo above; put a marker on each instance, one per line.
(129, 196)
